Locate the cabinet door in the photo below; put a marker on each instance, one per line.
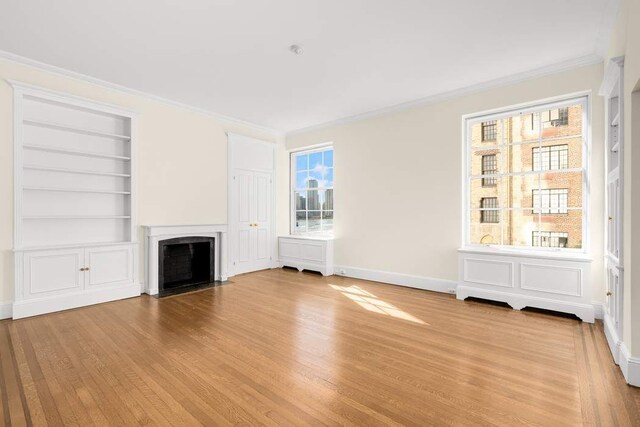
(109, 266)
(244, 191)
(54, 272)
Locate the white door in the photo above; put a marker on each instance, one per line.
(253, 224)
(252, 169)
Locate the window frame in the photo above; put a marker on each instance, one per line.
(468, 120)
(293, 188)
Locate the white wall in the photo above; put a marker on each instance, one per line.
(399, 178)
(182, 158)
(626, 41)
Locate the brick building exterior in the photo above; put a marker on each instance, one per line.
(539, 202)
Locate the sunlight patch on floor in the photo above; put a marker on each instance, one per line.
(370, 302)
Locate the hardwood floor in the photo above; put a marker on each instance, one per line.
(282, 347)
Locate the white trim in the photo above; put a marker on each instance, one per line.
(17, 59)
(6, 310)
(84, 297)
(630, 366)
(598, 310)
(407, 280)
(467, 90)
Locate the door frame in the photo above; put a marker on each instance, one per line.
(232, 196)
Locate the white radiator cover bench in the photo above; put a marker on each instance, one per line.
(313, 253)
(548, 281)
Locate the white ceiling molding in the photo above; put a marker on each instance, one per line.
(503, 81)
(17, 59)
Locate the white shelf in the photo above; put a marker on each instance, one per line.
(74, 152)
(75, 171)
(76, 217)
(76, 190)
(58, 126)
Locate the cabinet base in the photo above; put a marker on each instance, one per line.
(34, 307)
(585, 312)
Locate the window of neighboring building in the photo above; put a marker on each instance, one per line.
(534, 171)
(312, 191)
(553, 157)
(490, 216)
(489, 167)
(489, 132)
(550, 239)
(551, 201)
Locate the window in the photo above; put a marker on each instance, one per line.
(489, 167)
(553, 157)
(490, 216)
(550, 201)
(312, 191)
(489, 130)
(532, 181)
(550, 239)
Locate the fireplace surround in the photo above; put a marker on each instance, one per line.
(186, 246)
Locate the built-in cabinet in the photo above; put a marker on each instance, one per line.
(75, 242)
(612, 91)
(251, 204)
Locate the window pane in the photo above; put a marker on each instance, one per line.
(327, 220)
(313, 223)
(315, 179)
(483, 232)
(522, 128)
(328, 200)
(570, 182)
(518, 190)
(301, 200)
(518, 226)
(571, 224)
(328, 177)
(313, 200)
(480, 191)
(301, 179)
(302, 162)
(301, 222)
(315, 160)
(328, 158)
(485, 162)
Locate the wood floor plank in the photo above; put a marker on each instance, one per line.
(281, 347)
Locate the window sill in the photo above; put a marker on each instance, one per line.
(528, 253)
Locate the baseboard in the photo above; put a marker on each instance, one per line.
(598, 310)
(630, 366)
(410, 281)
(6, 310)
(34, 307)
(613, 340)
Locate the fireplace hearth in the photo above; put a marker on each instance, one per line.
(185, 263)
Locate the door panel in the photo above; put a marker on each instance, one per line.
(53, 272)
(244, 181)
(109, 266)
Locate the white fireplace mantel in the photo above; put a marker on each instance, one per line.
(156, 233)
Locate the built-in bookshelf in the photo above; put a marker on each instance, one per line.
(74, 173)
(75, 242)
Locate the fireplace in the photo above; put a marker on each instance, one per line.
(158, 236)
(185, 263)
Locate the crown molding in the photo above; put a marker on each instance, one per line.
(41, 66)
(467, 90)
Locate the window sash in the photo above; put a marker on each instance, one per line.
(584, 101)
(306, 203)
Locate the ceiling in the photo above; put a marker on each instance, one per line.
(232, 57)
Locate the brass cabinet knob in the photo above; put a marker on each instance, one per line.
(610, 218)
(609, 293)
